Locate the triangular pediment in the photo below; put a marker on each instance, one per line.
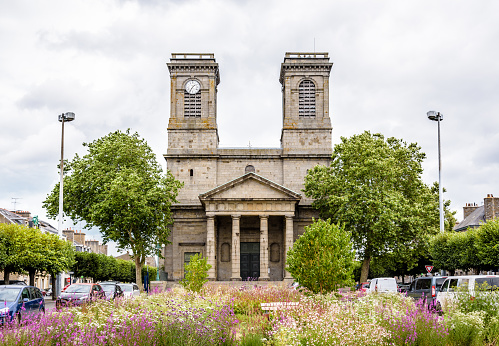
(250, 186)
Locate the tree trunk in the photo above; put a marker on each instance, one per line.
(138, 272)
(32, 273)
(364, 270)
(53, 279)
(6, 276)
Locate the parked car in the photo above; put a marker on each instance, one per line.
(363, 287)
(426, 288)
(469, 283)
(47, 292)
(383, 285)
(403, 288)
(14, 282)
(111, 289)
(20, 301)
(77, 294)
(130, 290)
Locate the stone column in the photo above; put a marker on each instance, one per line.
(264, 248)
(211, 246)
(288, 243)
(235, 259)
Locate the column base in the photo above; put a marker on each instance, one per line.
(264, 278)
(290, 280)
(235, 279)
(211, 279)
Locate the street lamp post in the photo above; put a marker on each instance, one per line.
(437, 116)
(64, 117)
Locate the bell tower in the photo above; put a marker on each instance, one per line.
(306, 125)
(192, 128)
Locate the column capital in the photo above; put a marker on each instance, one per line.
(236, 216)
(264, 216)
(210, 215)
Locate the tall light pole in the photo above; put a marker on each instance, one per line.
(64, 117)
(437, 116)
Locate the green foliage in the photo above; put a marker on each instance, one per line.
(197, 273)
(119, 187)
(488, 243)
(474, 249)
(373, 186)
(100, 267)
(322, 259)
(28, 249)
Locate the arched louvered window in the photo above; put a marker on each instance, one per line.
(192, 104)
(306, 91)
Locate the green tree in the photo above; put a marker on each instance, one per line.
(322, 259)
(119, 187)
(488, 244)
(28, 249)
(197, 273)
(373, 186)
(12, 245)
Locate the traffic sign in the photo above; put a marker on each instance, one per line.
(429, 268)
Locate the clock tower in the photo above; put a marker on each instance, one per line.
(193, 110)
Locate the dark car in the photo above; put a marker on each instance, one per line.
(426, 288)
(14, 282)
(20, 301)
(112, 290)
(77, 294)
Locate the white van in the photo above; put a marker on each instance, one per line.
(451, 285)
(383, 285)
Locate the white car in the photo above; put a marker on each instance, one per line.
(130, 290)
(453, 284)
(383, 285)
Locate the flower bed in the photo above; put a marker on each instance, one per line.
(231, 315)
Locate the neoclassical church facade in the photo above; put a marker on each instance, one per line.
(242, 208)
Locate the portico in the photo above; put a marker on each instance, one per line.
(249, 222)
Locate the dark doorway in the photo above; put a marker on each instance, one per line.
(250, 261)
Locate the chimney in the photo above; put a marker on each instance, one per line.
(79, 237)
(491, 207)
(23, 213)
(468, 209)
(69, 233)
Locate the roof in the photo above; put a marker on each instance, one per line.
(13, 217)
(474, 220)
(281, 191)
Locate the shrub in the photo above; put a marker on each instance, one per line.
(197, 273)
(321, 260)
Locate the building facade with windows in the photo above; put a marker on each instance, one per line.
(242, 208)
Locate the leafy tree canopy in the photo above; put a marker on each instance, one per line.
(28, 249)
(322, 259)
(119, 187)
(373, 186)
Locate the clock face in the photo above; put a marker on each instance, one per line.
(192, 86)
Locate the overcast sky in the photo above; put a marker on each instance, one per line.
(106, 62)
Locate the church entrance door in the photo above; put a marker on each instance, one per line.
(250, 261)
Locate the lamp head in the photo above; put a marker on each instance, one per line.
(435, 116)
(68, 116)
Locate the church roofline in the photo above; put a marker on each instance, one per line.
(207, 195)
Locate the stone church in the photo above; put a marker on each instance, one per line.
(242, 208)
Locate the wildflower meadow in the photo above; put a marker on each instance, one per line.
(232, 315)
